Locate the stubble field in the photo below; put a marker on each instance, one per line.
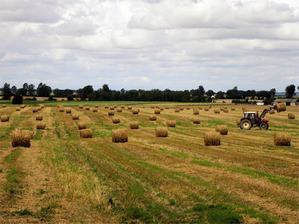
(63, 178)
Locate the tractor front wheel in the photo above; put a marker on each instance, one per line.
(264, 126)
(245, 124)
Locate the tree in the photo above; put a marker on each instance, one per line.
(233, 93)
(24, 90)
(210, 93)
(87, 90)
(43, 90)
(13, 90)
(31, 89)
(6, 91)
(18, 98)
(220, 95)
(290, 91)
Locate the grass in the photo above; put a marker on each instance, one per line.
(154, 180)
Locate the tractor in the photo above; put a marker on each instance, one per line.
(253, 119)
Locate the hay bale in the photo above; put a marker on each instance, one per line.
(3, 105)
(95, 110)
(177, 110)
(119, 110)
(34, 110)
(129, 107)
(271, 112)
(196, 121)
(22, 106)
(119, 135)
(157, 111)
(122, 107)
(166, 107)
(80, 106)
(4, 118)
(225, 110)
(68, 110)
(170, 123)
(161, 132)
(85, 133)
(115, 120)
(20, 138)
(212, 138)
(233, 109)
(135, 111)
(61, 109)
(222, 129)
(87, 108)
(281, 107)
(196, 111)
(110, 113)
(111, 108)
(75, 116)
(134, 125)
(96, 106)
(18, 109)
(152, 107)
(81, 125)
(217, 111)
(152, 118)
(207, 109)
(39, 117)
(41, 125)
(291, 116)
(200, 108)
(106, 107)
(282, 139)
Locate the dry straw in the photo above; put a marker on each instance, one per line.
(115, 120)
(135, 111)
(18, 109)
(39, 117)
(110, 113)
(119, 110)
(195, 111)
(207, 109)
(271, 112)
(21, 138)
(171, 123)
(81, 125)
(225, 110)
(212, 138)
(282, 139)
(177, 110)
(196, 121)
(152, 118)
(157, 111)
(129, 107)
(68, 110)
(122, 107)
(216, 111)
(4, 118)
(75, 117)
(222, 129)
(35, 110)
(291, 116)
(166, 107)
(22, 106)
(152, 107)
(119, 135)
(111, 108)
(87, 108)
(96, 106)
(80, 106)
(41, 125)
(281, 107)
(94, 110)
(238, 121)
(188, 108)
(3, 105)
(106, 107)
(161, 132)
(61, 109)
(85, 133)
(134, 125)
(233, 109)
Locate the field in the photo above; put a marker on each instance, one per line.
(63, 178)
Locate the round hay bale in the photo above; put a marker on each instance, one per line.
(34, 110)
(22, 106)
(119, 135)
(106, 107)
(207, 109)
(212, 138)
(196, 121)
(87, 108)
(200, 108)
(68, 110)
(122, 107)
(225, 111)
(39, 117)
(80, 106)
(119, 110)
(75, 116)
(110, 113)
(195, 111)
(3, 105)
(81, 125)
(111, 108)
(4, 118)
(135, 111)
(216, 111)
(281, 107)
(188, 108)
(152, 117)
(157, 111)
(115, 120)
(21, 138)
(61, 109)
(134, 125)
(152, 107)
(18, 109)
(222, 129)
(166, 107)
(129, 107)
(177, 110)
(233, 109)
(41, 125)
(171, 123)
(85, 133)
(291, 116)
(95, 110)
(161, 132)
(282, 139)
(96, 106)
(271, 112)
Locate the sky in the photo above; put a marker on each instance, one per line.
(150, 44)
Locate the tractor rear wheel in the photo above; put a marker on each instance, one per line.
(245, 124)
(264, 126)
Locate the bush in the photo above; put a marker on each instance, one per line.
(17, 99)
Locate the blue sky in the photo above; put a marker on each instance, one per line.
(176, 44)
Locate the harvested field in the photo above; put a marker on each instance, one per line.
(66, 178)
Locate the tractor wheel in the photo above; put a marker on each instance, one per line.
(245, 124)
(264, 126)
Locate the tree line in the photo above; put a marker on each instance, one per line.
(106, 94)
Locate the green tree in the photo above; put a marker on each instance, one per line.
(43, 90)
(290, 91)
(31, 90)
(6, 91)
(18, 98)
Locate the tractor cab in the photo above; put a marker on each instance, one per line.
(252, 119)
(251, 116)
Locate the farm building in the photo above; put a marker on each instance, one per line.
(288, 102)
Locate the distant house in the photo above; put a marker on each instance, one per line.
(288, 102)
